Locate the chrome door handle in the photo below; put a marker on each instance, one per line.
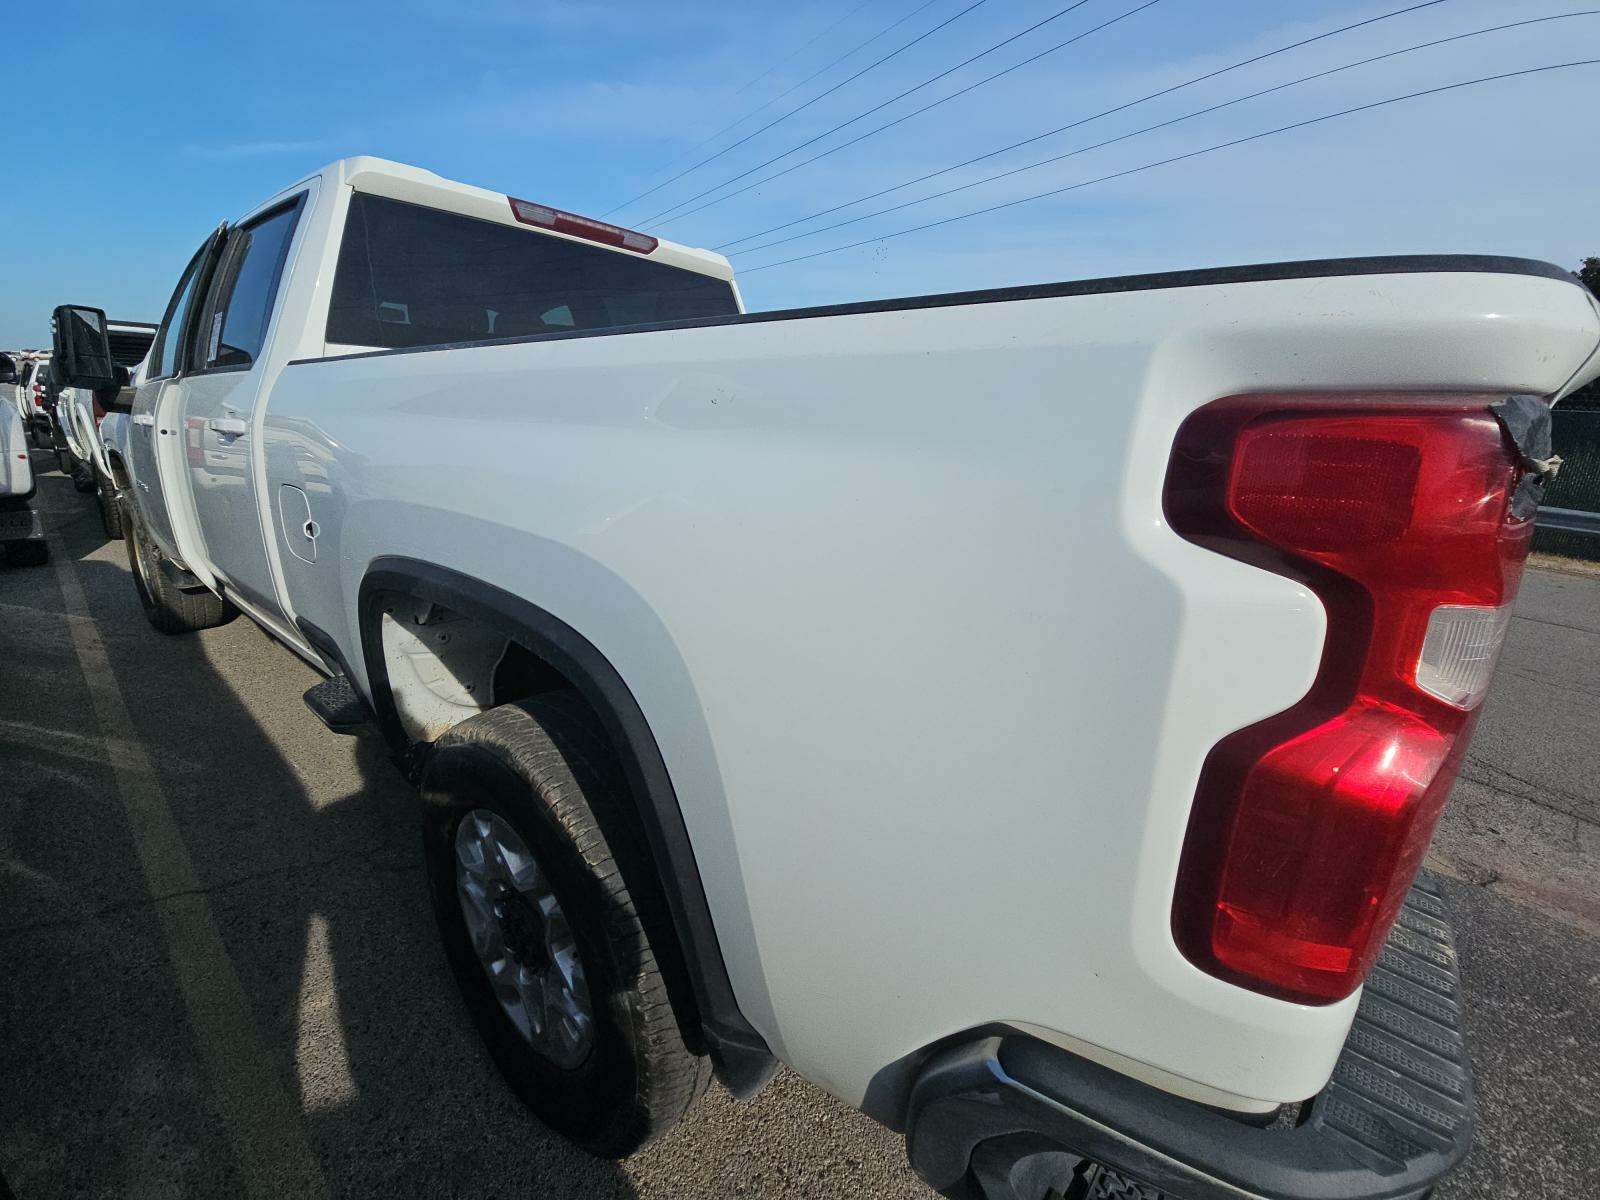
(144, 418)
(229, 426)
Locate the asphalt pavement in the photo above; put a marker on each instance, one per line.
(219, 973)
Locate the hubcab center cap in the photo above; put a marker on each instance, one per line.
(522, 938)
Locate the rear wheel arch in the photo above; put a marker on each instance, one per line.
(548, 649)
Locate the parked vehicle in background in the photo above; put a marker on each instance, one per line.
(69, 447)
(21, 535)
(11, 363)
(31, 398)
(1022, 712)
(78, 418)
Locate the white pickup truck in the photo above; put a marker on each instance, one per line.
(1022, 712)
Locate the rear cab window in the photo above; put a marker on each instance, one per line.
(411, 276)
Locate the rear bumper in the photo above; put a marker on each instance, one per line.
(1010, 1118)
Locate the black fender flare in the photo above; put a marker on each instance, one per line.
(740, 1055)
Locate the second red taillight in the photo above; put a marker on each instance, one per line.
(1308, 827)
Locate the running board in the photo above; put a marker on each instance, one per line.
(339, 706)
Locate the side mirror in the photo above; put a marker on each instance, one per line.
(8, 369)
(119, 396)
(82, 352)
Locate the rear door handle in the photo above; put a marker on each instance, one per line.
(229, 426)
(144, 418)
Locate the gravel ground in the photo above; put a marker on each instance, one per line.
(132, 1065)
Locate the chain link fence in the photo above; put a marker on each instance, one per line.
(1576, 436)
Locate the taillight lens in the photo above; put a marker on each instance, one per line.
(1308, 827)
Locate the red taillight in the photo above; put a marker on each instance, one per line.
(1308, 827)
(607, 234)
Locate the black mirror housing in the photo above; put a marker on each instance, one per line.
(82, 355)
(119, 397)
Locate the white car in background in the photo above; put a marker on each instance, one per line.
(21, 535)
(30, 400)
(10, 368)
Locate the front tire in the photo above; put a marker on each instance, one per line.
(167, 607)
(513, 803)
(110, 507)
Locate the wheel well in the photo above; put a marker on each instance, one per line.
(500, 648)
(119, 472)
(443, 667)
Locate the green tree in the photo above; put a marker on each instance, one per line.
(1589, 395)
(1589, 272)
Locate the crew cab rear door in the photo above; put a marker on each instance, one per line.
(223, 396)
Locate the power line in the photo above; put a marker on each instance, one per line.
(858, 47)
(1025, 141)
(794, 54)
(757, 133)
(1433, 91)
(1044, 162)
(892, 99)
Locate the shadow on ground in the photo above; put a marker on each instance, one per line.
(307, 852)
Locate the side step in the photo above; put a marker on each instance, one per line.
(338, 705)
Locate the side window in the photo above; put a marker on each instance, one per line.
(164, 354)
(239, 313)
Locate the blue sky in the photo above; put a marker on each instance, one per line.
(141, 126)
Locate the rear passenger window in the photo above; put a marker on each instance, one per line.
(252, 269)
(415, 276)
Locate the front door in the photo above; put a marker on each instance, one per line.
(150, 421)
(221, 405)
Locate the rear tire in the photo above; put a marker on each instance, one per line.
(541, 773)
(167, 607)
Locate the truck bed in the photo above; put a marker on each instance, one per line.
(892, 585)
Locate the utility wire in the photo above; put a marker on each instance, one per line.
(794, 54)
(799, 107)
(892, 99)
(1433, 91)
(1043, 162)
(1025, 141)
(857, 48)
